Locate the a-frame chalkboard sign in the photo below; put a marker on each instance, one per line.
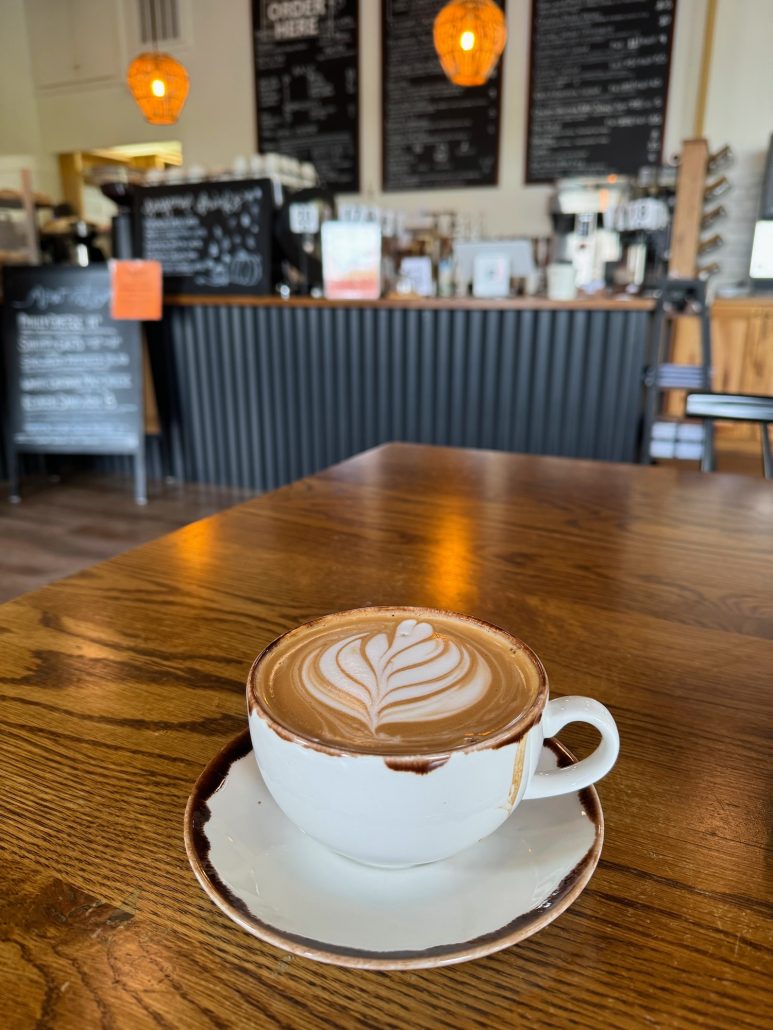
(74, 374)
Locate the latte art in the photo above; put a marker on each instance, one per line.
(396, 681)
(416, 675)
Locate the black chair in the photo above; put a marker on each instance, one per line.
(675, 297)
(735, 407)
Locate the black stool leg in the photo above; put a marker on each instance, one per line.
(707, 459)
(767, 458)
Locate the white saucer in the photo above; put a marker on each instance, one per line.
(283, 887)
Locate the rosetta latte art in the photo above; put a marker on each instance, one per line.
(416, 676)
(395, 681)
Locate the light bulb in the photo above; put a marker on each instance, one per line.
(467, 40)
(158, 87)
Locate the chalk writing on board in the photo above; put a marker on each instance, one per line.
(435, 134)
(74, 372)
(306, 81)
(598, 86)
(210, 238)
(43, 297)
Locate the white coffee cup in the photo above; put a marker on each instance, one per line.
(403, 810)
(561, 281)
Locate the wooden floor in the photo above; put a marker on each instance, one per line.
(61, 527)
(743, 460)
(746, 462)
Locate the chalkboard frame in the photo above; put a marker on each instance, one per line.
(97, 277)
(495, 182)
(534, 181)
(355, 184)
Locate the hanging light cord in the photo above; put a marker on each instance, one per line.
(152, 5)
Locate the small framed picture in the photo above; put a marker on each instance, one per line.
(491, 275)
(418, 271)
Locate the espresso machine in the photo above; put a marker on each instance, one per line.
(583, 213)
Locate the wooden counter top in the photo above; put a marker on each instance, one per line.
(615, 303)
(741, 307)
(619, 302)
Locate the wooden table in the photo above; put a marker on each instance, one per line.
(651, 589)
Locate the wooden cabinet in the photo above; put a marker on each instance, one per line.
(742, 356)
(73, 42)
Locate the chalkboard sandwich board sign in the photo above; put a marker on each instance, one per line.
(598, 86)
(210, 237)
(73, 373)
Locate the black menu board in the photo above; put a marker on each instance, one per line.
(306, 81)
(74, 374)
(210, 237)
(436, 135)
(598, 86)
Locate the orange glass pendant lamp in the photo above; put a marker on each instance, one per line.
(160, 86)
(470, 36)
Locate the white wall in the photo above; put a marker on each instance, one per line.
(20, 145)
(218, 122)
(18, 113)
(739, 111)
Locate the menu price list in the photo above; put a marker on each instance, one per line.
(599, 85)
(436, 135)
(306, 78)
(75, 378)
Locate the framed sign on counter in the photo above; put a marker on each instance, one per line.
(598, 86)
(74, 373)
(210, 237)
(435, 135)
(307, 85)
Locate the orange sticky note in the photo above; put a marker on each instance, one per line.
(135, 290)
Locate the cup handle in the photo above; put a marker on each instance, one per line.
(557, 714)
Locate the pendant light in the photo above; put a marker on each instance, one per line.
(158, 82)
(469, 37)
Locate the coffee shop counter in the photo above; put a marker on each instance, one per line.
(256, 392)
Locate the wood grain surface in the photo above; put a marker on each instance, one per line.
(649, 589)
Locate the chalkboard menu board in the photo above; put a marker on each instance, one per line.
(306, 80)
(74, 375)
(436, 135)
(210, 237)
(598, 86)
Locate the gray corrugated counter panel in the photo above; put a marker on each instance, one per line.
(258, 396)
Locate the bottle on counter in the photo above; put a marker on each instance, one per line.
(444, 275)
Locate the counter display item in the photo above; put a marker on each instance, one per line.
(491, 275)
(416, 272)
(561, 281)
(351, 260)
